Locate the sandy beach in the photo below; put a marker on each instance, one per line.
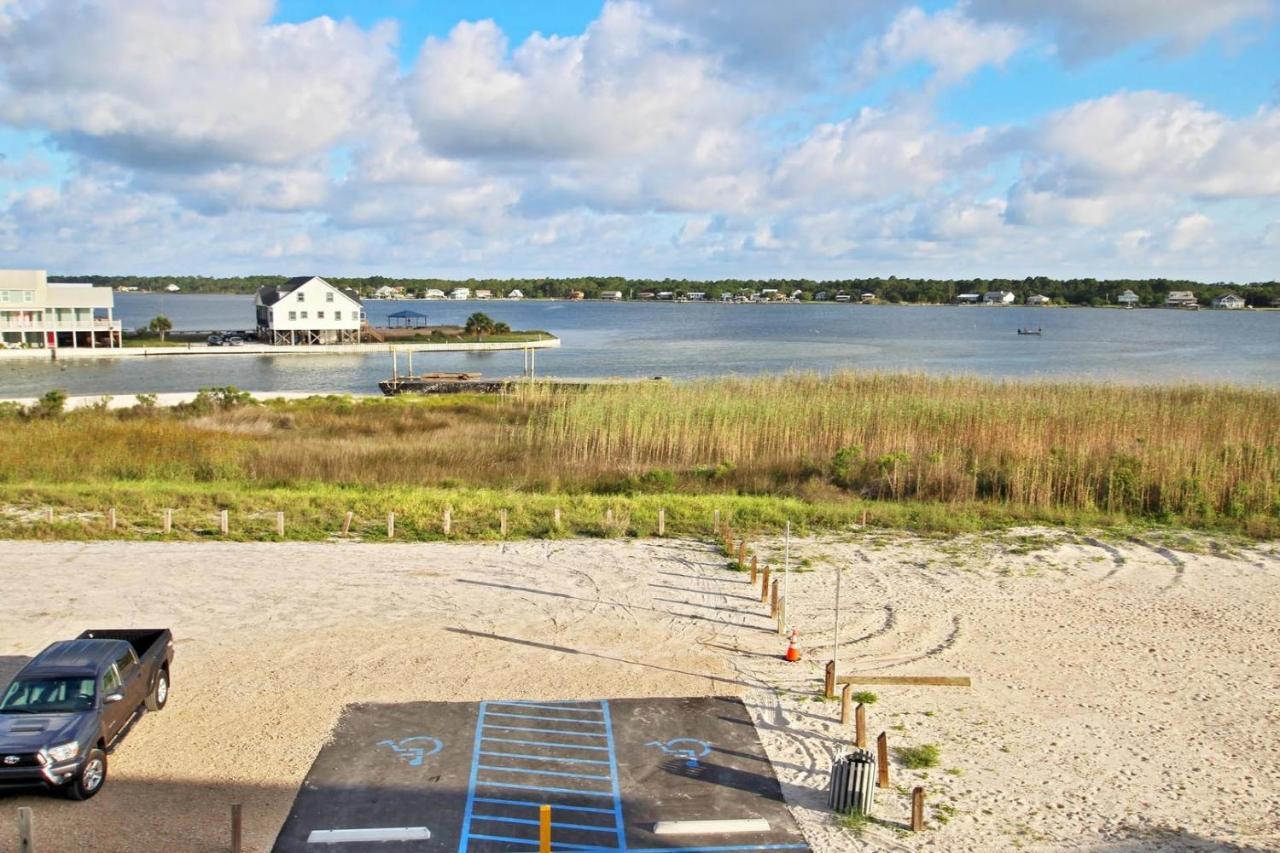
(1123, 698)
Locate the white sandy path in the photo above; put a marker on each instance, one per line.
(1124, 698)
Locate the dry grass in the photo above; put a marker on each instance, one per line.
(1198, 455)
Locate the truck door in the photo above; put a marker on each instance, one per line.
(131, 681)
(114, 714)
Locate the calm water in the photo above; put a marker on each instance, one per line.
(686, 340)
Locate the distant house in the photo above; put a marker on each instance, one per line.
(460, 293)
(308, 310)
(968, 298)
(1229, 301)
(613, 295)
(577, 295)
(1039, 299)
(697, 296)
(1181, 299)
(841, 296)
(820, 296)
(726, 297)
(433, 293)
(388, 292)
(1275, 303)
(666, 294)
(516, 294)
(484, 294)
(172, 288)
(647, 294)
(867, 298)
(796, 294)
(1128, 299)
(998, 297)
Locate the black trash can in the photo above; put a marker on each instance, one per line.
(853, 782)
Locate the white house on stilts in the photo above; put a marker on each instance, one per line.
(308, 310)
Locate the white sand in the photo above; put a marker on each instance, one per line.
(1124, 698)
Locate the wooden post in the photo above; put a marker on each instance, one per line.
(223, 522)
(237, 828)
(846, 704)
(26, 831)
(755, 568)
(882, 757)
(864, 518)
(168, 521)
(280, 524)
(742, 552)
(346, 522)
(608, 517)
(829, 680)
(662, 522)
(555, 519)
(391, 525)
(544, 829)
(781, 615)
(111, 519)
(917, 809)
(773, 600)
(448, 520)
(716, 524)
(502, 521)
(860, 726)
(764, 587)
(49, 515)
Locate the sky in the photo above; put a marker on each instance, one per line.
(645, 138)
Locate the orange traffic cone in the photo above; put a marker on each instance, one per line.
(793, 653)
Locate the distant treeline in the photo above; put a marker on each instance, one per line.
(1075, 291)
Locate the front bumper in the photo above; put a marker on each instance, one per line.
(51, 775)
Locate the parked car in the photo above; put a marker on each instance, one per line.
(233, 341)
(73, 703)
(215, 340)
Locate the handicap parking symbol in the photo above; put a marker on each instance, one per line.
(687, 748)
(413, 750)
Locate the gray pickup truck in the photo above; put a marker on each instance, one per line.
(74, 702)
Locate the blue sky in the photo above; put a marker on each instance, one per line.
(821, 138)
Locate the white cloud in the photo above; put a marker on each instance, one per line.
(954, 45)
(1085, 29)
(1189, 231)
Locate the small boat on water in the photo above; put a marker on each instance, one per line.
(1036, 332)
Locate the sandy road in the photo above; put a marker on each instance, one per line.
(1124, 693)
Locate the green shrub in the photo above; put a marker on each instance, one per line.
(918, 757)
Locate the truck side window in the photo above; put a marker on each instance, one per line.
(110, 681)
(125, 661)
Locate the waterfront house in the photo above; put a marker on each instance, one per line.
(35, 312)
(697, 296)
(1181, 299)
(433, 293)
(308, 310)
(726, 297)
(998, 297)
(867, 298)
(388, 292)
(484, 294)
(515, 294)
(172, 288)
(1038, 299)
(1229, 301)
(646, 294)
(843, 297)
(614, 295)
(820, 296)
(1128, 299)
(968, 298)
(460, 293)
(577, 296)
(666, 294)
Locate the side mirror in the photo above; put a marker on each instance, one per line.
(112, 697)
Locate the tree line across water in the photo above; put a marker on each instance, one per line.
(1075, 291)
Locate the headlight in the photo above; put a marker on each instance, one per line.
(62, 752)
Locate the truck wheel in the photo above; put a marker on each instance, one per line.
(90, 779)
(160, 693)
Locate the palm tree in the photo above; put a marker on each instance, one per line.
(479, 324)
(161, 324)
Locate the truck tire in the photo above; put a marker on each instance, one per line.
(160, 693)
(90, 779)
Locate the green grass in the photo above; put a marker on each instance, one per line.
(918, 757)
(855, 821)
(865, 697)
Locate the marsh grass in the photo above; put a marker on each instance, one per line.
(918, 757)
(932, 454)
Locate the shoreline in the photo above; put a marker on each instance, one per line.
(200, 349)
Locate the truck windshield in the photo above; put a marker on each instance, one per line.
(48, 695)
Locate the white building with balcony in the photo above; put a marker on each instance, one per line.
(308, 310)
(37, 313)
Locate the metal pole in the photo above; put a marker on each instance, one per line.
(786, 569)
(835, 639)
(395, 374)
(533, 364)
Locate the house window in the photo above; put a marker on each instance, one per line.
(28, 296)
(4, 296)
(300, 296)
(319, 315)
(304, 315)
(337, 315)
(293, 315)
(328, 296)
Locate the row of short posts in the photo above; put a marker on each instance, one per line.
(446, 522)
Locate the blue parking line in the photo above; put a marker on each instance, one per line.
(549, 719)
(533, 805)
(471, 786)
(544, 731)
(554, 823)
(613, 772)
(544, 772)
(548, 707)
(543, 788)
(718, 849)
(534, 842)
(544, 758)
(547, 743)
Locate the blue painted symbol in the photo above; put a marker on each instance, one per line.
(413, 750)
(683, 747)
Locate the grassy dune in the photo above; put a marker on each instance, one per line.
(932, 453)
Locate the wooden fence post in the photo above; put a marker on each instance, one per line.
(764, 587)
(448, 520)
(829, 680)
(391, 525)
(742, 552)
(716, 524)
(755, 568)
(882, 758)
(48, 515)
(608, 516)
(773, 600)
(555, 519)
(846, 704)
(280, 524)
(502, 521)
(662, 521)
(346, 522)
(237, 828)
(111, 519)
(224, 523)
(860, 726)
(917, 809)
(26, 831)
(168, 521)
